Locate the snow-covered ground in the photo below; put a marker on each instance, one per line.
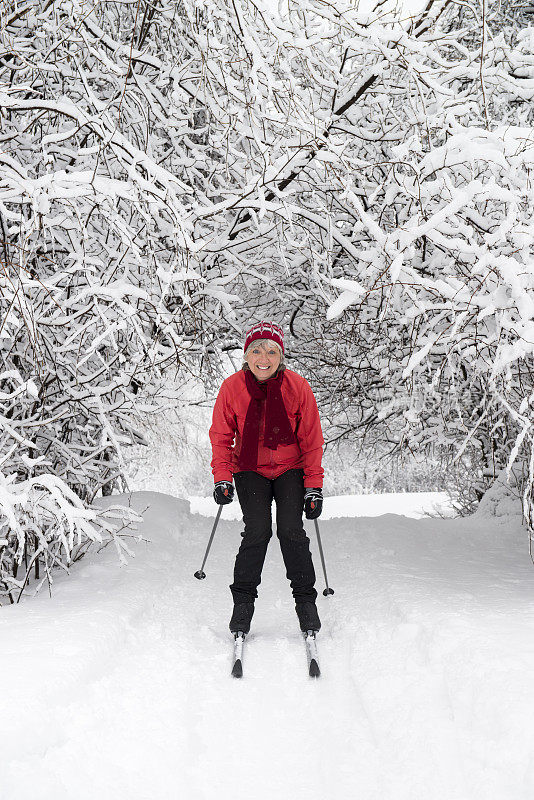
(408, 504)
(118, 686)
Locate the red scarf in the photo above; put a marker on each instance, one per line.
(278, 428)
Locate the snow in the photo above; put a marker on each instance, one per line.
(118, 686)
(408, 504)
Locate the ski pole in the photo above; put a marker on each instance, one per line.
(328, 590)
(200, 574)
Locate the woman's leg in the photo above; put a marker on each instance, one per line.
(289, 495)
(255, 495)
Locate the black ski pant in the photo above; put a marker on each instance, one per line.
(256, 495)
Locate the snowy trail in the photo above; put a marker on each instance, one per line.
(119, 687)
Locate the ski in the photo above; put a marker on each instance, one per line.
(311, 654)
(237, 668)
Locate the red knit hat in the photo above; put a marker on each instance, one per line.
(264, 330)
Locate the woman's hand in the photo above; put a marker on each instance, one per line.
(313, 503)
(223, 493)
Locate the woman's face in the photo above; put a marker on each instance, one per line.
(263, 360)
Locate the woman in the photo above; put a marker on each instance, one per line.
(266, 436)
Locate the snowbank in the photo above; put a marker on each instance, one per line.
(409, 504)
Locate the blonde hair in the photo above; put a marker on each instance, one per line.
(266, 343)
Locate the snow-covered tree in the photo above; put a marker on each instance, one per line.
(385, 165)
(95, 240)
(170, 169)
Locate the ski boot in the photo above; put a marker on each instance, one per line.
(241, 617)
(308, 616)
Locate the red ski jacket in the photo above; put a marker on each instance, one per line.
(229, 416)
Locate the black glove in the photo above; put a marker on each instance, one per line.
(223, 492)
(313, 503)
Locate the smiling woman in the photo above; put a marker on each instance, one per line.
(266, 436)
(264, 357)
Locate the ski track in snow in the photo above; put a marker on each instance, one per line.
(119, 686)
